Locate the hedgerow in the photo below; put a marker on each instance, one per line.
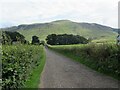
(18, 62)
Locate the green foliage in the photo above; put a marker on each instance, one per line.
(6, 38)
(65, 39)
(35, 40)
(18, 62)
(101, 57)
(10, 37)
(34, 80)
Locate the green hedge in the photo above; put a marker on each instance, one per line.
(18, 62)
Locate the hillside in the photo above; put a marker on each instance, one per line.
(88, 30)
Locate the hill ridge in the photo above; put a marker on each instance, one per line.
(88, 30)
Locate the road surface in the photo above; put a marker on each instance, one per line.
(62, 72)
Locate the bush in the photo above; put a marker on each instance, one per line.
(17, 64)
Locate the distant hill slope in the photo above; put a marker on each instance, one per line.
(88, 30)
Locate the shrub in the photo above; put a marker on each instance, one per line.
(17, 64)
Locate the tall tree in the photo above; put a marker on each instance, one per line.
(35, 40)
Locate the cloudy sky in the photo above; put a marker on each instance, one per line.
(15, 12)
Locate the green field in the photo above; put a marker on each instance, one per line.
(100, 57)
(22, 65)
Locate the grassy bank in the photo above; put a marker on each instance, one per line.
(22, 66)
(100, 57)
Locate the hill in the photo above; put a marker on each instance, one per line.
(88, 30)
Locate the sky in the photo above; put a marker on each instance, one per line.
(15, 12)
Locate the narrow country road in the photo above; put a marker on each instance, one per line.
(61, 72)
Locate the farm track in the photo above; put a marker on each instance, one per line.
(61, 72)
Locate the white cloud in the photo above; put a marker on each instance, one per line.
(35, 11)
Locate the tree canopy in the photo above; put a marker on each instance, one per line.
(65, 39)
(10, 37)
(35, 40)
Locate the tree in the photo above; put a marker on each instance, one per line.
(51, 39)
(35, 40)
(10, 37)
(65, 39)
(6, 38)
